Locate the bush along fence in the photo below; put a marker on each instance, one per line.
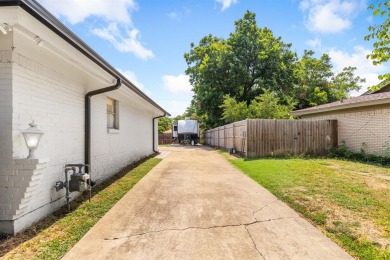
(268, 137)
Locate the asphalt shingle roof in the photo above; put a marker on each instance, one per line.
(365, 100)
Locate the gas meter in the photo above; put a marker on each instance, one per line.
(77, 181)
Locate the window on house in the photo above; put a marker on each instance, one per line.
(112, 114)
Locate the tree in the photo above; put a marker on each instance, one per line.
(265, 106)
(268, 106)
(236, 72)
(343, 83)
(317, 83)
(250, 60)
(233, 111)
(164, 124)
(209, 76)
(260, 60)
(379, 33)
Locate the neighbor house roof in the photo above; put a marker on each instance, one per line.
(385, 88)
(360, 101)
(46, 18)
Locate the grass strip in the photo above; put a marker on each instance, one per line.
(54, 236)
(333, 195)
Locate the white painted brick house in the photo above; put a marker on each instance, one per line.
(46, 73)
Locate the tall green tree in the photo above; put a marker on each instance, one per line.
(250, 60)
(318, 84)
(209, 77)
(259, 60)
(380, 35)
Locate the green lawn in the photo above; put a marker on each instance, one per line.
(52, 237)
(348, 201)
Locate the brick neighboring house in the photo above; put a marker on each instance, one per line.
(363, 121)
(90, 113)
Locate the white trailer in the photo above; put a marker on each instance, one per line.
(186, 130)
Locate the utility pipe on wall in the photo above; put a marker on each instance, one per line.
(153, 131)
(87, 133)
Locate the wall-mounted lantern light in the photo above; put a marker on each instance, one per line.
(32, 135)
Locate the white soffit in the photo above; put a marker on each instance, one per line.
(9, 15)
(30, 27)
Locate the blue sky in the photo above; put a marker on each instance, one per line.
(146, 39)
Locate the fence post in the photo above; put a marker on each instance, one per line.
(335, 133)
(224, 136)
(234, 137)
(218, 137)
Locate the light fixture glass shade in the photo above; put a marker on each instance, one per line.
(32, 136)
(32, 140)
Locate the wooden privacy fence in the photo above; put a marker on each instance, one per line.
(165, 138)
(268, 137)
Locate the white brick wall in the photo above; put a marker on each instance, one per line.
(5, 126)
(111, 152)
(366, 128)
(5, 97)
(45, 88)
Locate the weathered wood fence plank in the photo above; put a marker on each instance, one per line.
(165, 138)
(267, 137)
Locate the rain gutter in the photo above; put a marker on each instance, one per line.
(154, 131)
(87, 130)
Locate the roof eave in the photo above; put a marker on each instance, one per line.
(46, 18)
(340, 107)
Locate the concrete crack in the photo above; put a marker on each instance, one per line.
(173, 229)
(200, 228)
(253, 241)
(254, 212)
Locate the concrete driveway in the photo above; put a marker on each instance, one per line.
(196, 205)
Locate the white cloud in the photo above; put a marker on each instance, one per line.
(314, 43)
(180, 93)
(174, 15)
(177, 84)
(226, 3)
(113, 16)
(178, 107)
(76, 11)
(330, 16)
(133, 78)
(124, 42)
(364, 67)
(179, 15)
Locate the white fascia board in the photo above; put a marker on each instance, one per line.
(341, 107)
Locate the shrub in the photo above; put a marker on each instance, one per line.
(342, 152)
